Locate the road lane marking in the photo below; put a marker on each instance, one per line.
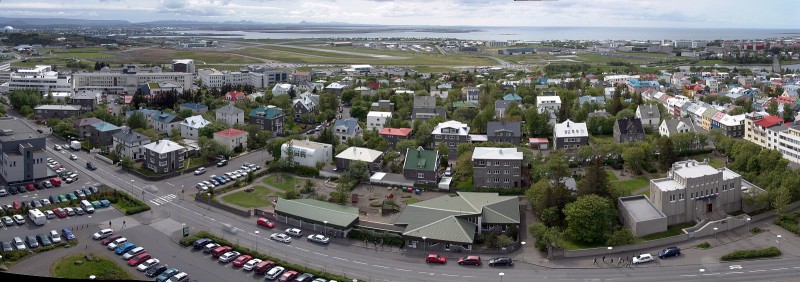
(400, 269)
(760, 270)
(319, 254)
(381, 266)
(689, 275)
(301, 249)
(340, 258)
(358, 262)
(450, 275)
(782, 268)
(423, 272)
(735, 272)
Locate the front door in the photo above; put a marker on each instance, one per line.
(708, 208)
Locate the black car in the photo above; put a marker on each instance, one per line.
(7, 247)
(12, 190)
(222, 163)
(91, 166)
(21, 189)
(155, 271)
(305, 277)
(32, 243)
(43, 240)
(501, 261)
(669, 252)
(199, 244)
(38, 186)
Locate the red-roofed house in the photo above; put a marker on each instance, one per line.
(539, 144)
(234, 96)
(755, 128)
(374, 85)
(769, 121)
(231, 138)
(392, 135)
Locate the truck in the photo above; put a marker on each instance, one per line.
(37, 217)
(75, 145)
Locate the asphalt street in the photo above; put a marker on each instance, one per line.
(369, 264)
(71, 222)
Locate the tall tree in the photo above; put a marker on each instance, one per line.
(595, 182)
(590, 218)
(137, 120)
(783, 196)
(666, 154)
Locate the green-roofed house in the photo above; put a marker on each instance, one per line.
(315, 215)
(512, 97)
(269, 118)
(452, 222)
(102, 133)
(465, 104)
(421, 165)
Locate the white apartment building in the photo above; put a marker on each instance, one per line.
(41, 78)
(230, 115)
(789, 143)
(118, 82)
(215, 78)
(190, 127)
(713, 85)
(376, 120)
(621, 78)
(548, 103)
(308, 153)
(282, 89)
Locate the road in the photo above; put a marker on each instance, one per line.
(369, 264)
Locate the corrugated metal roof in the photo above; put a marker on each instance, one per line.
(335, 215)
(451, 229)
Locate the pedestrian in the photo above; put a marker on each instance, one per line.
(365, 243)
(595, 261)
(109, 224)
(619, 261)
(604, 258)
(612, 260)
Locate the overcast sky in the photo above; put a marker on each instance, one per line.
(598, 13)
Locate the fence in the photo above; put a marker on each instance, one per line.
(103, 158)
(316, 227)
(625, 248)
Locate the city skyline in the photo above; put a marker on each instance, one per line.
(566, 13)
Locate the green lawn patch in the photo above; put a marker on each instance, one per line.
(770, 252)
(712, 161)
(631, 185)
(570, 244)
(672, 230)
(411, 201)
(255, 199)
(611, 175)
(101, 266)
(287, 182)
(601, 139)
(194, 162)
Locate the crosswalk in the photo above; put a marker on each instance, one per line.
(163, 199)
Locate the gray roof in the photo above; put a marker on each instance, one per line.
(442, 218)
(496, 126)
(591, 100)
(502, 104)
(19, 130)
(641, 208)
(230, 109)
(131, 137)
(630, 126)
(649, 111)
(340, 216)
(672, 124)
(424, 102)
(58, 107)
(350, 123)
(438, 111)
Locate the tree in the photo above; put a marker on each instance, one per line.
(634, 158)
(783, 196)
(788, 114)
(24, 97)
(666, 154)
(126, 162)
(358, 112)
(176, 135)
(208, 130)
(137, 120)
(210, 148)
(621, 236)
(625, 114)
(546, 236)
(358, 171)
(773, 108)
(590, 218)
(595, 182)
(327, 137)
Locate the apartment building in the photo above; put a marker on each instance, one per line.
(42, 78)
(23, 152)
(451, 133)
(307, 153)
(497, 168)
(164, 156)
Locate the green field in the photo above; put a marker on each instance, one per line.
(287, 183)
(102, 267)
(295, 55)
(255, 199)
(631, 185)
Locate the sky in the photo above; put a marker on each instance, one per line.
(772, 14)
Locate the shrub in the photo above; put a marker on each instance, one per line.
(704, 245)
(789, 222)
(187, 241)
(770, 252)
(504, 241)
(375, 204)
(622, 236)
(358, 235)
(756, 230)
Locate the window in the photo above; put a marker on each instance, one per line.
(420, 175)
(506, 163)
(680, 196)
(481, 162)
(672, 198)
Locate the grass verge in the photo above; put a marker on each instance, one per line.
(100, 266)
(770, 252)
(255, 199)
(632, 184)
(287, 182)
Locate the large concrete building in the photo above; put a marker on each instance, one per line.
(127, 80)
(42, 78)
(23, 152)
(497, 168)
(183, 65)
(259, 79)
(308, 153)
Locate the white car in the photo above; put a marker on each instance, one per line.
(120, 241)
(251, 264)
(199, 171)
(208, 184)
(147, 264)
(55, 236)
(318, 238)
(18, 219)
(201, 187)
(73, 157)
(273, 273)
(280, 237)
(294, 232)
(642, 258)
(57, 147)
(132, 253)
(229, 256)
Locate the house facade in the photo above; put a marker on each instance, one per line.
(86, 100)
(56, 111)
(570, 135)
(392, 135)
(164, 156)
(269, 118)
(373, 158)
(164, 122)
(670, 127)
(196, 108)
(190, 127)
(102, 134)
(129, 144)
(232, 138)
(421, 165)
(230, 115)
(303, 104)
(628, 130)
(344, 129)
(425, 108)
(509, 132)
(451, 133)
(497, 168)
(649, 115)
(307, 153)
(376, 120)
(82, 125)
(23, 152)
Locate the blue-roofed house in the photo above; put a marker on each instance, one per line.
(164, 122)
(599, 100)
(269, 118)
(196, 108)
(790, 90)
(639, 86)
(346, 128)
(102, 134)
(146, 112)
(512, 97)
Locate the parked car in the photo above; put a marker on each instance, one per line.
(265, 222)
(469, 260)
(448, 171)
(55, 237)
(102, 234)
(116, 243)
(155, 271)
(67, 234)
(319, 238)
(79, 210)
(47, 184)
(434, 258)
(241, 260)
(8, 221)
(32, 243)
(44, 241)
(49, 214)
(7, 247)
(280, 237)
(305, 277)
(229, 256)
(3, 192)
(200, 243)
(263, 266)
(18, 219)
(138, 259)
(199, 171)
(70, 211)
(294, 232)
(19, 244)
(133, 252)
(222, 163)
(219, 251)
(167, 274)
(669, 252)
(124, 248)
(288, 276)
(643, 258)
(274, 272)
(30, 187)
(91, 166)
(251, 264)
(210, 247)
(180, 277)
(60, 213)
(501, 261)
(150, 263)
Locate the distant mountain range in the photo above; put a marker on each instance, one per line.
(34, 22)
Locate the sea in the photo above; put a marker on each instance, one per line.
(502, 33)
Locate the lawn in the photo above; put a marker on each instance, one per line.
(102, 267)
(712, 161)
(194, 162)
(411, 201)
(631, 185)
(611, 175)
(255, 199)
(287, 182)
(575, 245)
(600, 139)
(295, 55)
(672, 230)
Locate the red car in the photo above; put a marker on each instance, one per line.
(55, 181)
(30, 187)
(264, 266)
(60, 213)
(138, 259)
(241, 260)
(219, 251)
(265, 222)
(17, 205)
(109, 239)
(470, 260)
(434, 258)
(288, 276)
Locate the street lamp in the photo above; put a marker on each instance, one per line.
(325, 229)
(209, 200)
(609, 251)
(701, 273)
(523, 250)
(424, 245)
(257, 240)
(715, 233)
(132, 186)
(748, 223)
(501, 276)
(779, 241)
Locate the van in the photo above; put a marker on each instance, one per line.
(263, 266)
(102, 234)
(37, 217)
(180, 277)
(87, 206)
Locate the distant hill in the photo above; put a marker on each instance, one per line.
(15, 22)
(22, 22)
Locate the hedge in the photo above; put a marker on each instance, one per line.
(358, 235)
(770, 252)
(299, 170)
(18, 255)
(131, 205)
(187, 242)
(789, 222)
(126, 203)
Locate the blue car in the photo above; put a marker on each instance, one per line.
(219, 179)
(167, 274)
(124, 248)
(68, 234)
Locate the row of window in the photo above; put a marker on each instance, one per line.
(497, 180)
